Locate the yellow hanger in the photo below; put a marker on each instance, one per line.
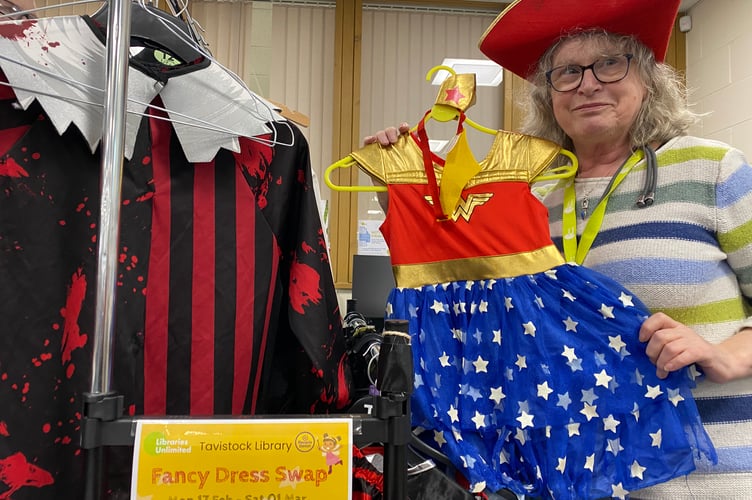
(560, 172)
(445, 111)
(347, 162)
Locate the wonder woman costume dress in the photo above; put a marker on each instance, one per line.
(529, 374)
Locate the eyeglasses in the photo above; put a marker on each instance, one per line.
(606, 70)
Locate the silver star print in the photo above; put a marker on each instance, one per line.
(570, 325)
(588, 396)
(602, 379)
(590, 462)
(614, 446)
(453, 414)
(479, 420)
(480, 365)
(657, 438)
(569, 353)
(575, 365)
(524, 406)
(529, 328)
(600, 358)
(675, 397)
(610, 423)
(508, 303)
(636, 470)
(653, 391)
(468, 461)
(526, 420)
(444, 360)
(564, 400)
(458, 334)
(616, 343)
(413, 310)
(437, 307)
(474, 393)
(478, 335)
(497, 394)
(438, 436)
(544, 390)
(573, 429)
(617, 491)
(590, 411)
(607, 311)
(626, 300)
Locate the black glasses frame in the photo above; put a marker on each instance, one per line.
(590, 67)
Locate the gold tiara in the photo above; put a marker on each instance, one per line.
(457, 91)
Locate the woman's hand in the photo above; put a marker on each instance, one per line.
(387, 136)
(672, 345)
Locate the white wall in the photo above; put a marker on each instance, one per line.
(719, 70)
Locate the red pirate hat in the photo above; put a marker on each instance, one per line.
(520, 35)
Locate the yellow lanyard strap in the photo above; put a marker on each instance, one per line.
(574, 251)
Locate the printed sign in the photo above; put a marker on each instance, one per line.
(370, 239)
(254, 459)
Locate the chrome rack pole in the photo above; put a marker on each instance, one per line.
(101, 404)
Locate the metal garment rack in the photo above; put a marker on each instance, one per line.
(103, 423)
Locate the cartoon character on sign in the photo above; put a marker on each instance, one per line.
(330, 450)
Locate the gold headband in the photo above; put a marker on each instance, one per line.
(457, 91)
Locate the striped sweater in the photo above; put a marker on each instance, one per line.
(690, 256)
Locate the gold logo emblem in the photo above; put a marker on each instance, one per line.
(466, 206)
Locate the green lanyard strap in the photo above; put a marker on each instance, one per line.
(574, 251)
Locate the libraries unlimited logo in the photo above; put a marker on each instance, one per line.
(156, 443)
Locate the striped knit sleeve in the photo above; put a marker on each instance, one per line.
(734, 218)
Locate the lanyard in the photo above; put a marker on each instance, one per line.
(574, 251)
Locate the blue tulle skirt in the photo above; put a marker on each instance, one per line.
(539, 384)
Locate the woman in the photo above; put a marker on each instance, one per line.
(684, 244)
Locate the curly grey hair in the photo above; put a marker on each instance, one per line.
(664, 113)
